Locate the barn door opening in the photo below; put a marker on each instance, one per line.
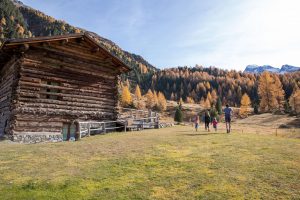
(72, 131)
(65, 132)
(68, 131)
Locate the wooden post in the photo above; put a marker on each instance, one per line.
(79, 127)
(125, 126)
(89, 129)
(77, 133)
(104, 130)
(149, 115)
(157, 121)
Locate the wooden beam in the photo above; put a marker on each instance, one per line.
(63, 42)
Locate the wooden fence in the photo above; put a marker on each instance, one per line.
(87, 128)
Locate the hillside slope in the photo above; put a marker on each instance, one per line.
(21, 21)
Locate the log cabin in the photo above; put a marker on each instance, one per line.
(49, 84)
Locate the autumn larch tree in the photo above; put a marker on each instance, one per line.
(267, 92)
(162, 102)
(214, 96)
(209, 97)
(126, 97)
(149, 99)
(155, 100)
(180, 101)
(190, 100)
(207, 104)
(245, 105)
(295, 101)
(138, 93)
(279, 92)
(138, 103)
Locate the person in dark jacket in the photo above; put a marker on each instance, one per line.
(207, 120)
(228, 113)
(196, 121)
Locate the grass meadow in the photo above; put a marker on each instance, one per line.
(171, 163)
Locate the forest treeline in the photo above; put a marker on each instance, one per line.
(268, 91)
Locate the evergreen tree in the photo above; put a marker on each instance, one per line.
(255, 109)
(178, 114)
(287, 107)
(214, 114)
(219, 106)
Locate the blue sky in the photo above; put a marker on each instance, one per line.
(168, 33)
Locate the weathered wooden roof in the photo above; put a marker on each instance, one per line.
(8, 45)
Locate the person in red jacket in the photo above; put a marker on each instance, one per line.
(215, 124)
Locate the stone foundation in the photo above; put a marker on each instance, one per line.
(32, 139)
(166, 124)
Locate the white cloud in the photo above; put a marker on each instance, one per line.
(261, 32)
(231, 33)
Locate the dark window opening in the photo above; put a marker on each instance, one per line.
(51, 92)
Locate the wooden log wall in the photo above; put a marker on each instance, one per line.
(8, 83)
(63, 82)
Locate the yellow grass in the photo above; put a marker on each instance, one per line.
(171, 163)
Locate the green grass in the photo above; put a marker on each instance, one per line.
(171, 163)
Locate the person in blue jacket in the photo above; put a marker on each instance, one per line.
(228, 113)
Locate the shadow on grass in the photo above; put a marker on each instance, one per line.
(294, 124)
(202, 134)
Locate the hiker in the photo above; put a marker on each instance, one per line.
(207, 120)
(196, 121)
(215, 123)
(228, 112)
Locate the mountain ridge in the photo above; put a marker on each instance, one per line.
(260, 69)
(18, 20)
